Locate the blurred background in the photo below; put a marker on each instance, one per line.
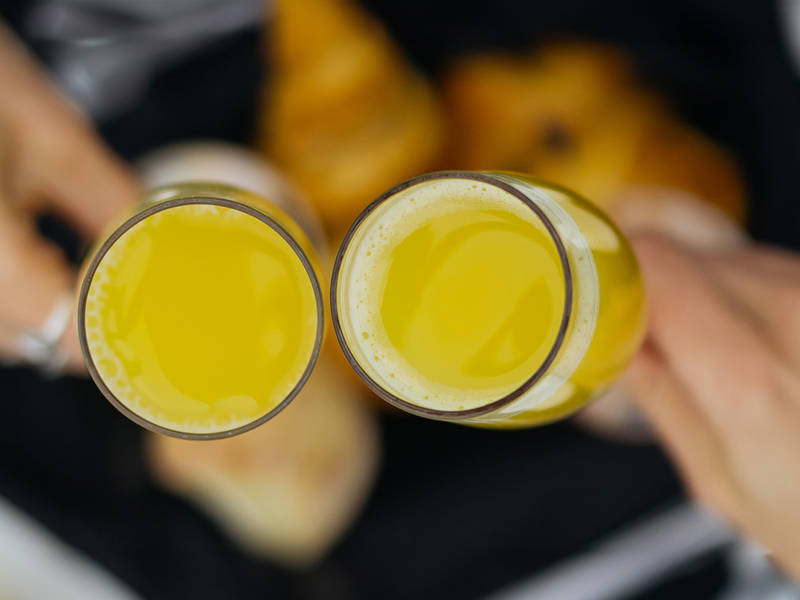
(340, 498)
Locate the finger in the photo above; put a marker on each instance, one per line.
(82, 180)
(34, 276)
(59, 162)
(771, 261)
(686, 432)
(757, 272)
(703, 334)
(768, 285)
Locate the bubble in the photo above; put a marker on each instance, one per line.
(108, 367)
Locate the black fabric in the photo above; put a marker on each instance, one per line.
(457, 512)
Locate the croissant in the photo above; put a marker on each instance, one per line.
(344, 114)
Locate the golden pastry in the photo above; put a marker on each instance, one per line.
(572, 113)
(287, 490)
(344, 114)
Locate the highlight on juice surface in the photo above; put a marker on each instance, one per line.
(201, 315)
(486, 298)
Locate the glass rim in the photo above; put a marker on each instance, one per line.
(137, 218)
(488, 178)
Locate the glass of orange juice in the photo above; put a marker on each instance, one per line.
(491, 299)
(201, 314)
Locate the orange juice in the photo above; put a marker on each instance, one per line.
(486, 298)
(201, 317)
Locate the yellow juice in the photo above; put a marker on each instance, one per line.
(454, 299)
(201, 318)
(621, 311)
(473, 299)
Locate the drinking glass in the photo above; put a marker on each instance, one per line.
(595, 330)
(230, 327)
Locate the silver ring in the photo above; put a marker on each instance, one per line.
(41, 348)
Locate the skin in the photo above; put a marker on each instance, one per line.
(50, 161)
(719, 378)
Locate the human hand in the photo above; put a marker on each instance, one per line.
(687, 220)
(719, 378)
(50, 160)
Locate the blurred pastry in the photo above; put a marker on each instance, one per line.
(288, 490)
(344, 113)
(573, 113)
